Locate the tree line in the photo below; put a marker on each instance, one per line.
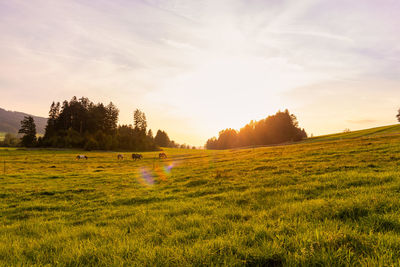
(275, 129)
(80, 123)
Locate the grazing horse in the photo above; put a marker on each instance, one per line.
(120, 156)
(137, 156)
(162, 156)
(81, 157)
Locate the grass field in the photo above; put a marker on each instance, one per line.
(320, 203)
(377, 131)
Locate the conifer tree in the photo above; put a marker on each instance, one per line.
(28, 128)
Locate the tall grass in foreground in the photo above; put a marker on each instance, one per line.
(333, 203)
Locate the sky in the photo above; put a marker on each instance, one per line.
(197, 67)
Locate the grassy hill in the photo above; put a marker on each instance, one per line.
(10, 121)
(383, 130)
(330, 203)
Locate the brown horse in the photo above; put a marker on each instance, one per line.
(120, 156)
(137, 156)
(162, 156)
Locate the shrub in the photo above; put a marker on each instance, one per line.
(91, 144)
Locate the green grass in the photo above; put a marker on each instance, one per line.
(330, 203)
(2, 135)
(378, 131)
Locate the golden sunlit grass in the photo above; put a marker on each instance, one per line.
(2, 134)
(329, 203)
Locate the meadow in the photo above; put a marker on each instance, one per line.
(377, 131)
(331, 203)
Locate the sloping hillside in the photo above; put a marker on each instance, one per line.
(10, 121)
(384, 130)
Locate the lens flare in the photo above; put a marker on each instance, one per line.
(147, 177)
(160, 174)
(168, 168)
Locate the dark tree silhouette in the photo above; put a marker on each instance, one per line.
(228, 138)
(82, 124)
(150, 134)
(28, 128)
(212, 143)
(51, 121)
(398, 116)
(140, 121)
(162, 139)
(111, 118)
(279, 128)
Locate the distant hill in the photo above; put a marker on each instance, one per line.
(377, 131)
(10, 121)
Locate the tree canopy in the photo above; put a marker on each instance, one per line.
(140, 120)
(279, 128)
(162, 139)
(81, 123)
